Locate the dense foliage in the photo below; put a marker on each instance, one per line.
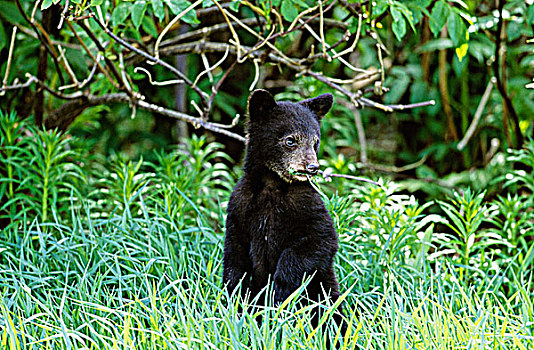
(100, 253)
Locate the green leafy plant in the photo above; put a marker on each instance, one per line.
(513, 222)
(13, 169)
(53, 172)
(466, 212)
(523, 159)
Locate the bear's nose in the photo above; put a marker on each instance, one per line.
(312, 168)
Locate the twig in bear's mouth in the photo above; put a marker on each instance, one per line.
(299, 172)
(326, 175)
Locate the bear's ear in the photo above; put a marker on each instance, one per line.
(320, 105)
(260, 104)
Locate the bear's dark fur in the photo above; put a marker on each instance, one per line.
(277, 226)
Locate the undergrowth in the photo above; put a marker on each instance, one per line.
(119, 254)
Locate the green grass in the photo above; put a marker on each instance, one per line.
(139, 284)
(128, 255)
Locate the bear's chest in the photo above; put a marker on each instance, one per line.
(275, 222)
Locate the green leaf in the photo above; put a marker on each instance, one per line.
(10, 12)
(177, 6)
(234, 6)
(97, 2)
(457, 29)
(158, 8)
(3, 37)
(399, 23)
(425, 172)
(438, 17)
(149, 27)
(46, 4)
(138, 12)
(434, 45)
(379, 9)
(530, 15)
(289, 10)
(399, 80)
(120, 13)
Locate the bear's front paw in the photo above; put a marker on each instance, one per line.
(280, 294)
(282, 290)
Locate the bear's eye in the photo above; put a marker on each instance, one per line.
(291, 142)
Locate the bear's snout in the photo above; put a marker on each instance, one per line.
(311, 164)
(312, 168)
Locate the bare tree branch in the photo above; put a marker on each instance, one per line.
(478, 114)
(65, 115)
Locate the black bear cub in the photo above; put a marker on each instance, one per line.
(277, 226)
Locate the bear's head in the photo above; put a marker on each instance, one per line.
(284, 136)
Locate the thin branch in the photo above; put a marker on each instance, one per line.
(321, 32)
(256, 74)
(203, 47)
(171, 24)
(97, 59)
(202, 94)
(63, 14)
(361, 134)
(44, 38)
(355, 98)
(395, 169)
(102, 49)
(124, 77)
(210, 11)
(299, 16)
(478, 114)
(65, 115)
(55, 93)
(197, 122)
(328, 175)
(91, 74)
(205, 32)
(267, 42)
(237, 43)
(341, 59)
(32, 34)
(9, 58)
(412, 105)
(215, 90)
(31, 80)
(382, 70)
(370, 76)
(66, 65)
(157, 83)
(35, 6)
(495, 143)
(208, 69)
(351, 48)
